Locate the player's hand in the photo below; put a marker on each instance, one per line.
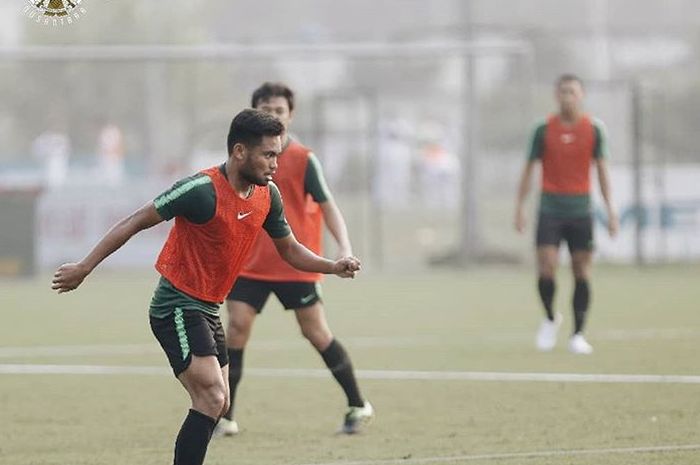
(520, 221)
(346, 267)
(613, 223)
(68, 277)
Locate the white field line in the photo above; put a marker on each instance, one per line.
(518, 455)
(355, 342)
(397, 375)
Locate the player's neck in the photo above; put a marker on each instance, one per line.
(242, 187)
(286, 140)
(570, 116)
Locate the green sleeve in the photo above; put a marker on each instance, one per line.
(314, 182)
(193, 198)
(536, 145)
(276, 224)
(600, 149)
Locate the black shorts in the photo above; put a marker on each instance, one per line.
(292, 294)
(184, 333)
(577, 232)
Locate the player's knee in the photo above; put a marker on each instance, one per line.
(546, 272)
(215, 399)
(581, 274)
(581, 271)
(210, 397)
(239, 327)
(227, 403)
(546, 269)
(319, 337)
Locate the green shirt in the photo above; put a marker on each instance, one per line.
(314, 182)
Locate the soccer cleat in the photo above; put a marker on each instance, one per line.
(356, 418)
(579, 345)
(547, 334)
(225, 427)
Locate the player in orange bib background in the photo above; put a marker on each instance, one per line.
(566, 144)
(218, 215)
(308, 202)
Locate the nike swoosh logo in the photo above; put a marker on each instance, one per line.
(307, 299)
(242, 215)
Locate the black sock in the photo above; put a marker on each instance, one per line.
(582, 296)
(193, 439)
(338, 361)
(235, 371)
(546, 288)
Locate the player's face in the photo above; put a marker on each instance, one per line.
(261, 161)
(569, 95)
(279, 107)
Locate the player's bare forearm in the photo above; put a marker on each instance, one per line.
(70, 275)
(523, 191)
(336, 225)
(524, 184)
(303, 259)
(604, 181)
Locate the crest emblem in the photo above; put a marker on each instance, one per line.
(56, 12)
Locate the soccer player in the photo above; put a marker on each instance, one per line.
(308, 203)
(218, 215)
(566, 144)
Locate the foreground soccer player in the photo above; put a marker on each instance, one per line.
(567, 144)
(218, 215)
(308, 202)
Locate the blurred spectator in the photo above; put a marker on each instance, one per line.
(52, 148)
(111, 154)
(393, 164)
(439, 170)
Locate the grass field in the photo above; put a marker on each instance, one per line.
(643, 322)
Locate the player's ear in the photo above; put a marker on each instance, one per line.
(239, 151)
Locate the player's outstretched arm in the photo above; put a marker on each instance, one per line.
(70, 275)
(523, 191)
(303, 259)
(336, 225)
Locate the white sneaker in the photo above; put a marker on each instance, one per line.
(579, 345)
(547, 334)
(356, 418)
(225, 427)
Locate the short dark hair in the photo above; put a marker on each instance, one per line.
(568, 77)
(272, 89)
(249, 126)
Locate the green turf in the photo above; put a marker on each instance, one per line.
(642, 322)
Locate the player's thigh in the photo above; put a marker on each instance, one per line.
(202, 372)
(253, 292)
(549, 231)
(186, 333)
(314, 326)
(294, 295)
(547, 240)
(578, 233)
(312, 318)
(204, 381)
(579, 237)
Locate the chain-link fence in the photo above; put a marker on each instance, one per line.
(421, 144)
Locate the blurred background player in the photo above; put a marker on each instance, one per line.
(218, 214)
(308, 203)
(566, 144)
